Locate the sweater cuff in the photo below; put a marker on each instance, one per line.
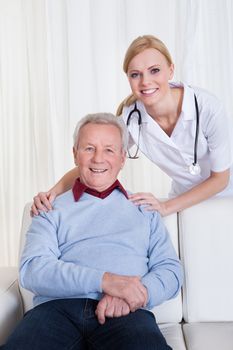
(92, 280)
(154, 290)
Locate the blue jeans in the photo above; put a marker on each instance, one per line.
(71, 324)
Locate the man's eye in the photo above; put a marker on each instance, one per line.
(155, 70)
(109, 150)
(89, 149)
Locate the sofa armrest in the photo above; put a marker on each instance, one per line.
(11, 309)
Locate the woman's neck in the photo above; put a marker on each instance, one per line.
(167, 112)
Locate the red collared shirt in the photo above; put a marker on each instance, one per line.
(79, 188)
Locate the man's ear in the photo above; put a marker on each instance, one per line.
(75, 155)
(123, 159)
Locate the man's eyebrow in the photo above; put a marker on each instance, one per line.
(89, 144)
(111, 145)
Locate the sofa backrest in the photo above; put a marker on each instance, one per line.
(206, 241)
(26, 221)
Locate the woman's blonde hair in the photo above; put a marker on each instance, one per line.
(137, 46)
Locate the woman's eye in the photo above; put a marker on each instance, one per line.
(134, 75)
(155, 70)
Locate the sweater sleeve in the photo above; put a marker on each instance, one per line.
(165, 275)
(41, 270)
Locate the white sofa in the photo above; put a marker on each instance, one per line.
(201, 318)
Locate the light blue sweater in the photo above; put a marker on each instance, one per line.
(68, 249)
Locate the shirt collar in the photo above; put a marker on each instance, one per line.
(79, 188)
(188, 110)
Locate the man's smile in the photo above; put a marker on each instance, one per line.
(98, 171)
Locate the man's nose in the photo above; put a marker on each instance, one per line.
(98, 156)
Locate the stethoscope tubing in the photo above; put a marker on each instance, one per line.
(135, 110)
(197, 132)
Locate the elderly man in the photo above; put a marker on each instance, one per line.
(96, 263)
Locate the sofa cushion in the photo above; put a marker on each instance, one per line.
(10, 301)
(206, 336)
(173, 335)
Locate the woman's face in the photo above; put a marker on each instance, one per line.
(148, 75)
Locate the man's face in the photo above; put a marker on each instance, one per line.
(99, 155)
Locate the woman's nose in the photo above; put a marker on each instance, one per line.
(145, 79)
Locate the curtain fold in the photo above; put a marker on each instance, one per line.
(62, 59)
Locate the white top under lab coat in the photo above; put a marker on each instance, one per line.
(175, 154)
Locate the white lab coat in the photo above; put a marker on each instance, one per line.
(175, 154)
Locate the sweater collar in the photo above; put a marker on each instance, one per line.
(79, 188)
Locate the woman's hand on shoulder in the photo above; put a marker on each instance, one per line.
(42, 201)
(149, 201)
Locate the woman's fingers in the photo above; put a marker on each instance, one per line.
(42, 201)
(144, 198)
(149, 201)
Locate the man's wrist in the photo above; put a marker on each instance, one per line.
(106, 280)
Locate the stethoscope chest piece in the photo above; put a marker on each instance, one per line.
(194, 169)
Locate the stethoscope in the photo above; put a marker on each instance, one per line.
(194, 168)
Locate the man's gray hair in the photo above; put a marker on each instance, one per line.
(103, 118)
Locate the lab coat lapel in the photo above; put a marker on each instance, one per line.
(156, 132)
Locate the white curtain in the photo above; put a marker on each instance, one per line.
(62, 59)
